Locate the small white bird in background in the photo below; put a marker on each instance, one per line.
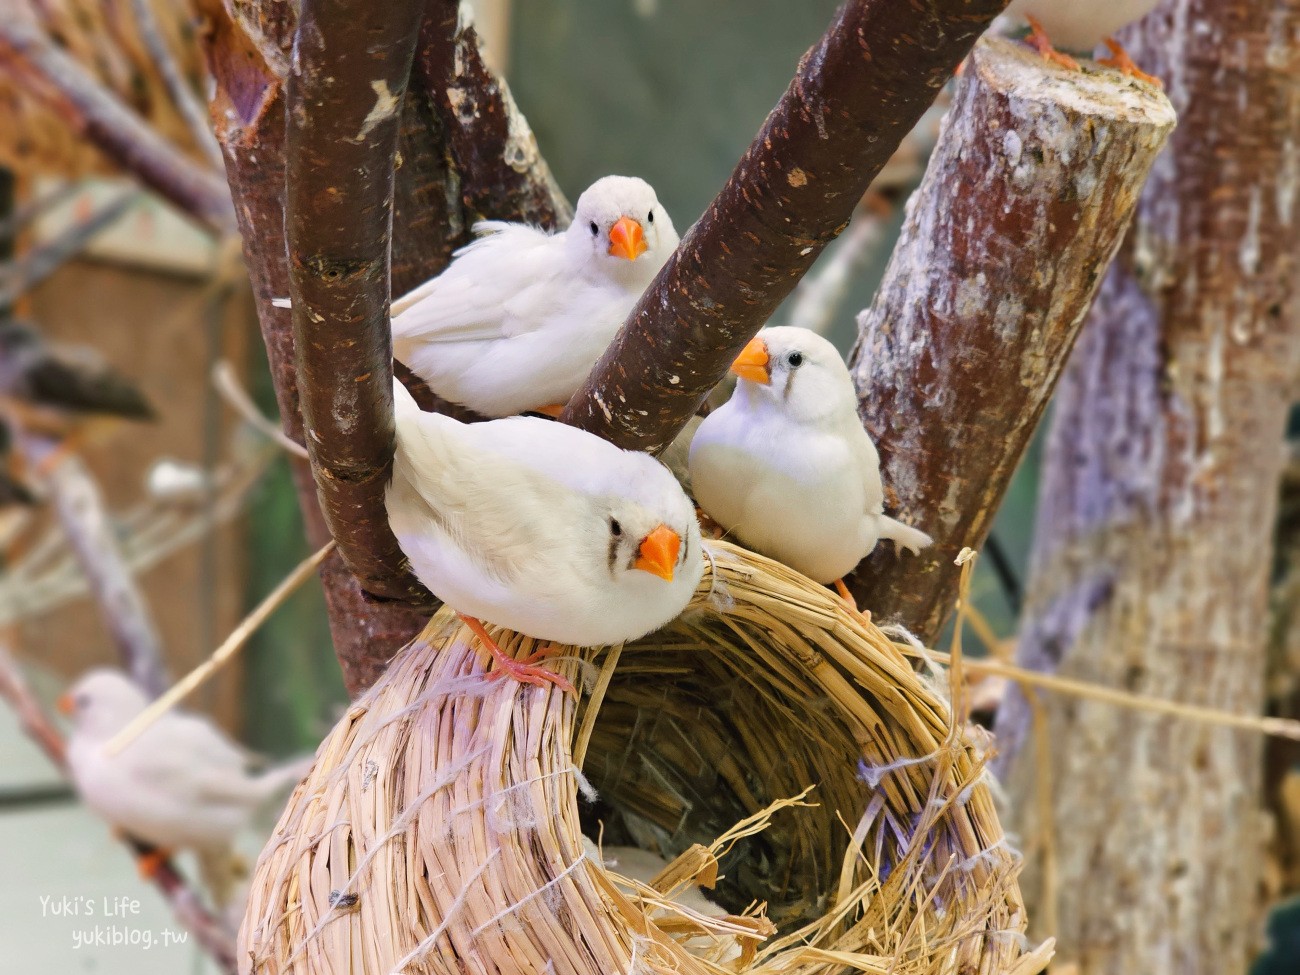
(181, 785)
(786, 466)
(1080, 25)
(520, 316)
(541, 528)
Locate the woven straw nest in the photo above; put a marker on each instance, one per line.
(440, 830)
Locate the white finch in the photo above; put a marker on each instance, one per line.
(520, 316)
(786, 466)
(541, 528)
(181, 785)
(1080, 25)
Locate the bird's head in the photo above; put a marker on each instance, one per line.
(797, 372)
(101, 703)
(620, 227)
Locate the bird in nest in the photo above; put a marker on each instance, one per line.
(181, 785)
(785, 465)
(517, 320)
(59, 391)
(1080, 25)
(540, 528)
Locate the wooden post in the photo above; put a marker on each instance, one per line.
(1158, 502)
(1023, 205)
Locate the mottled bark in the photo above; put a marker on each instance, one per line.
(249, 59)
(1157, 510)
(112, 127)
(1023, 205)
(856, 95)
(343, 101)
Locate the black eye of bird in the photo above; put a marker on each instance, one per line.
(795, 360)
(615, 528)
(650, 217)
(595, 231)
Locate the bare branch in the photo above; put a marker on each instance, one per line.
(183, 96)
(82, 514)
(857, 93)
(39, 263)
(958, 355)
(117, 131)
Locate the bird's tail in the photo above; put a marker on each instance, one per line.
(278, 778)
(903, 536)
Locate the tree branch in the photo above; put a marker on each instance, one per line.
(249, 61)
(116, 130)
(349, 74)
(857, 93)
(1022, 207)
(84, 519)
(182, 95)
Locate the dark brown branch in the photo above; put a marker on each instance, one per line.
(489, 138)
(343, 101)
(857, 93)
(1023, 204)
(249, 61)
(112, 127)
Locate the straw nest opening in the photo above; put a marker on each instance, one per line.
(769, 738)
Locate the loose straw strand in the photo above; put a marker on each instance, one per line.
(232, 644)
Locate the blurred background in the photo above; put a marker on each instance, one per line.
(198, 501)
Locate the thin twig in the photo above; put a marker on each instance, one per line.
(1275, 727)
(82, 514)
(819, 297)
(40, 262)
(13, 224)
(103, 119)
(183, 96)
(38, 727)
(227, 384)
(222, 655)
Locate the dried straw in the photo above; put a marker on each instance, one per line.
(440, 830)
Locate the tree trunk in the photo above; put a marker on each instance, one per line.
(1023, 205)
(1156, 517)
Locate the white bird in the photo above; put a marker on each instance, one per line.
(541, 528)
(182, 784)
(520, 316)
(1080, 25)
(786, 466)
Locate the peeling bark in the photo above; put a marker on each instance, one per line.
(111, 126)
(856, 95)
(1024, 202)
(1157, 510)
(249, 59)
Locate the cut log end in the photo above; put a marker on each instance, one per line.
(1094, 91)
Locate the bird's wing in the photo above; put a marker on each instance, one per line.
(496, 288)
(188, 757)
(475, 495)
(868, 469)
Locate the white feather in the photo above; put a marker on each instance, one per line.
(788, 468)
(511, 521)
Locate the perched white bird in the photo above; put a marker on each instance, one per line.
(786, 466)
(181, 785)
(541, 528)
(520, 316)
(1080, 25)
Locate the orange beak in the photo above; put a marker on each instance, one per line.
(754, 363)
(626, 239)
(658, 552)
(66, 705)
